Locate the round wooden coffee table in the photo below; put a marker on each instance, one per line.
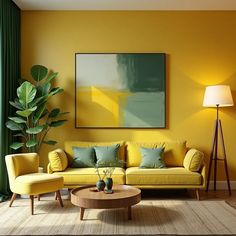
(123, 196)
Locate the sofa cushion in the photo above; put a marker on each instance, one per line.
(70, 144)
(193, 160)
(82, 176)
(173, 155)
(152, 158)
(37, 183)
(165, 176)
(83, 157)
(58, 160)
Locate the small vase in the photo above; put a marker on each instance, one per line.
(109, 183)
(100, 185)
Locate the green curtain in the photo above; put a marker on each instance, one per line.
(9, 75)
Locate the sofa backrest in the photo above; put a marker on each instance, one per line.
(174, 152)
(70, 144)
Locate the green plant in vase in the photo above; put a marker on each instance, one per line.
(108, 169)
(33, 119)
(100, 183)
(109, 181)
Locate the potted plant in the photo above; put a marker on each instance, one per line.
(33, 119)
(100, 183)
(107, 173)
(109, 181)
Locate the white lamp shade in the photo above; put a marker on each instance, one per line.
(218, 95)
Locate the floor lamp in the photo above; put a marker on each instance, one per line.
(217, 96)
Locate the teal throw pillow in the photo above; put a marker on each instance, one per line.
(108, 156)
(83, 157)
(152, 158)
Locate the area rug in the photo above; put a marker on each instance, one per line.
(149, 217)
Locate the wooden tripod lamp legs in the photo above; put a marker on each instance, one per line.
(214, 156)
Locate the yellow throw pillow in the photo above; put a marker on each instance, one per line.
(193, 160)
(58, 160)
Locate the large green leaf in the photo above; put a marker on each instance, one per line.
(39, 113)
(26, 93)
(16, 104)
(57, 123)
(51, 77)
(18, 120)
(44, 89)
(38, 72)
(31, 143)
(55, 91)
(50, 142)
(38, 101)
(27, 112)
(54, 113)
(16, 145)
(35, 130)
(14, 126)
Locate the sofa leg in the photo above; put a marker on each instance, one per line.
(69, 192)
(198, 194)
(59, 197)
(55, 195)
(32, 204)
(13, 197)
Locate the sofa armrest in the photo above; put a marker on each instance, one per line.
(203, 174)
(49, 169)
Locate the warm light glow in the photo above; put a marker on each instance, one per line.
(218, 95)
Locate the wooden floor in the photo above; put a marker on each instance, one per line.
(220, 194)
(216, 195)
(190, 194)
(210, 195)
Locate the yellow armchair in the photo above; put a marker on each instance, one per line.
(24, 178)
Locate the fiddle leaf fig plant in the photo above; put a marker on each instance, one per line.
(33, 118)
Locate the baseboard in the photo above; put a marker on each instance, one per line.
(222, 185)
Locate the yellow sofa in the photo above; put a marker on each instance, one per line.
(177, 174)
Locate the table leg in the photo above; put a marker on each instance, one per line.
(129, 213)
(81, 213)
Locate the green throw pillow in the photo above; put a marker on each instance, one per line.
(152, 158)
(108, 156)
(83, 157)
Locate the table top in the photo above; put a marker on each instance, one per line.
(122, 196)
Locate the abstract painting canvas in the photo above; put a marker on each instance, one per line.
(120, 90)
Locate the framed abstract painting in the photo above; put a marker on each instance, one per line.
(120, 90)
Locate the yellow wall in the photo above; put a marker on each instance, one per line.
(200, 48)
